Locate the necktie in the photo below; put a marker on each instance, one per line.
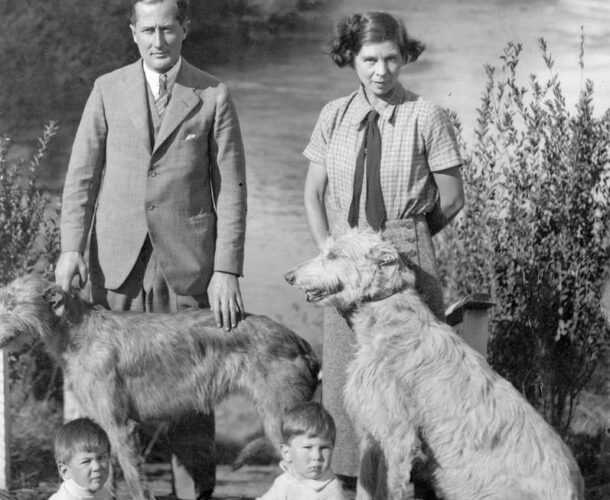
(370, 151)
(163, 99)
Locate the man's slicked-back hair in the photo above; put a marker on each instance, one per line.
(79, 435)
(352, 32)
(309, 419)
(181, 16)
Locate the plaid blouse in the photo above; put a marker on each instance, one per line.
(417, 138)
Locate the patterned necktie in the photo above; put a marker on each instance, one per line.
(370, 151)
(163, 99)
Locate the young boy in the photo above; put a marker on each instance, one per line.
(308, 439)
(82, 452)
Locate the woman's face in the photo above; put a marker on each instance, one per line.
(378, 67)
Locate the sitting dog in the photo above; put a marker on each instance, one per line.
(415, 388)
(130, 367)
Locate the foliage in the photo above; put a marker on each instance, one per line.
(535, 233)
(29, 238)
(33, 428)
(53, 51)
(23, 217)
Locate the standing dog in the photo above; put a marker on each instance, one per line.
(415, 387)
(130, 367)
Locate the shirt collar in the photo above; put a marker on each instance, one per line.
(77, 491)
(396, 96)
(152, 77)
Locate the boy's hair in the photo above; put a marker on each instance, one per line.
(81, 434)
(310, 419)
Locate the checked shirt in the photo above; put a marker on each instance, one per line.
(417, 139)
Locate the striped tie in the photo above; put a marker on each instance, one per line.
(163, 99)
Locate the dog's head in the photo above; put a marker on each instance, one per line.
(358, 267)
(29, 309)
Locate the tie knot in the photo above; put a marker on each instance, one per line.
(372, 115)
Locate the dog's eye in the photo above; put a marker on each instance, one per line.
(331, 255)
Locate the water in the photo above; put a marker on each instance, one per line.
(279, 89)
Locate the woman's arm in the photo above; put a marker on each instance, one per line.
(451, 194)
(315, 211)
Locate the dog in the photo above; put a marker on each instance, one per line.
(127, 367)
(416, 389)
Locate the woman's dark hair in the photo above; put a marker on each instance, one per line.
(352, 32)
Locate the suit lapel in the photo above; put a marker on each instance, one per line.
(182, 101)
(136, 101)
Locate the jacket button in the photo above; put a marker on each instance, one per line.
(152, 173)
(150, 206)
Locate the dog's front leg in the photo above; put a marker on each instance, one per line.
(123, 438)
(399, 454)
(385, 471)
(107, 401)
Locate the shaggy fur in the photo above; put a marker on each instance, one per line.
(130, 367)
(415, 388)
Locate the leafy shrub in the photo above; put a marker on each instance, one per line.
(29, 238)
(536, 233)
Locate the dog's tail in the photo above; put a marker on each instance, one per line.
(260, 448)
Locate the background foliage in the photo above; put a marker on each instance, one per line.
(536, 233)
(55, 50)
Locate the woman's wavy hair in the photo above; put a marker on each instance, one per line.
(352, 32)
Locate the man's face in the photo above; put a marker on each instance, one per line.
(158, 34)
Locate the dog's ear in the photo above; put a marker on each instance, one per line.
(383, 256)
(56, 298)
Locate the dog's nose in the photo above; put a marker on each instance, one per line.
(289, 277)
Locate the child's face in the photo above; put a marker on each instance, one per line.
(309, 456)
(88, 469)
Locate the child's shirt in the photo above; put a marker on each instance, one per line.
(288, 487)
(70, 490)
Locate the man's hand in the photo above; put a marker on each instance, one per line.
(225, 299)
(69, 265)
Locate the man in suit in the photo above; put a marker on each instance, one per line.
(156, 183)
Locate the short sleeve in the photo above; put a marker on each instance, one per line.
(317, 148)
(442, 150)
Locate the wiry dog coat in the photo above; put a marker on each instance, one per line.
(415, 387)
(126, 368)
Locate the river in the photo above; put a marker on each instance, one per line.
(280, 86)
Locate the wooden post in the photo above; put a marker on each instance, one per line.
(470, 317)
(5, 427)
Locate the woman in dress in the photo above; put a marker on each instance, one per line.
(381, 157)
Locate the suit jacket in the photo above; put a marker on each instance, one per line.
(187, 190)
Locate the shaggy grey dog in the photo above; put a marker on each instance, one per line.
(415, 388)
(125, 368)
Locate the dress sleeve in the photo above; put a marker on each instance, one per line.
(317, 148)
(441, 143)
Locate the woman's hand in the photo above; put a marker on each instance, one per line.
(315, 211)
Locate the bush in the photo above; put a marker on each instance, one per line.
(29, 239)
(535, 233)
(29, 236)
